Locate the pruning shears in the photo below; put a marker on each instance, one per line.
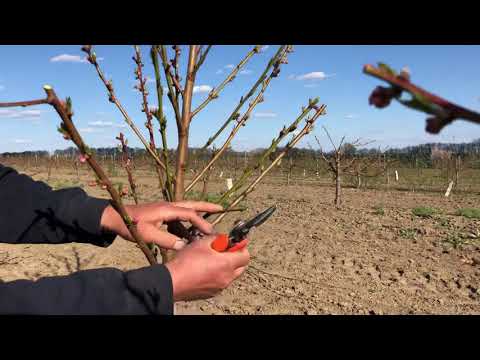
(236, 239)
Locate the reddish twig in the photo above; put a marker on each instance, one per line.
(70, 132)
(92, 59)
(127, 164)
(141, 87)
(444, 112)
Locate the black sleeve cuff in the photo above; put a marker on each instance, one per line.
(90, 214)
(153, 285)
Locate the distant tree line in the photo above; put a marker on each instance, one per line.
(417, 156)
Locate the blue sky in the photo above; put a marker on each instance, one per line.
(450, 71)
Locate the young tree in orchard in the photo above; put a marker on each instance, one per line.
(339, 162)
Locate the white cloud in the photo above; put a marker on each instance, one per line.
(100, 123)
(19, 114)
(71, 58)
(264, 48)
(245, 72)
(265, 114)
(229, 66)
(351, 116)
(22, 141)
(290, 77)
(68, 58)
(315, 75)
(150, 79)
(202, 89)
(90, 130)
(219, 71)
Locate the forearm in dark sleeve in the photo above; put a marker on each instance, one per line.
(31, 212)
(92, 292)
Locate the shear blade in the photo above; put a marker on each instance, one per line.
(240, 231)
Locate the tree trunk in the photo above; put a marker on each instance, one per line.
(184, 125)
(206, 178)
(457, 169)
(50, 163)
(338, 186)
(338, 189)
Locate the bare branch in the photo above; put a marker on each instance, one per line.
(64, 110)
(202, 57)
(330, 163)
(258, 99)
(23, 103)
(279, 55)
(444, 112)
(162, 120)
(92, 58)
(306, 129)
(216, 91)
(127, 161)
(275, 142)
(142, 88)
(329, 137)
(172, 94)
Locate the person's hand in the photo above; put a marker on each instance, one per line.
(199, 272)
(151, 216)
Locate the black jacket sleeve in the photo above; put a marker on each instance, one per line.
(146, 291)
(31, 212)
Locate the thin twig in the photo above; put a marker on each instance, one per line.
(64, 110)
(306, 129)
(175, 62)
(141, 87)
(172, 95)
(240, 123)
(92, 58)
(266, 154)
(162, 120)
(216, 91)
(443, 110)
(235, 114)
(23, 103)
(127, 161)
(202, 57)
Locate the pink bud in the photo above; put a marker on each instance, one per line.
(380, 97)
(83, 158)
(124, 191)
(434, 125)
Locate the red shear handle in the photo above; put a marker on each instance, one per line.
(221, 244)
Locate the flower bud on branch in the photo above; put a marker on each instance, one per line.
(444, 112)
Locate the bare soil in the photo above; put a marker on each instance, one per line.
(311, 258)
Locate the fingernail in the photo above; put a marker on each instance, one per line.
(179, 245)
